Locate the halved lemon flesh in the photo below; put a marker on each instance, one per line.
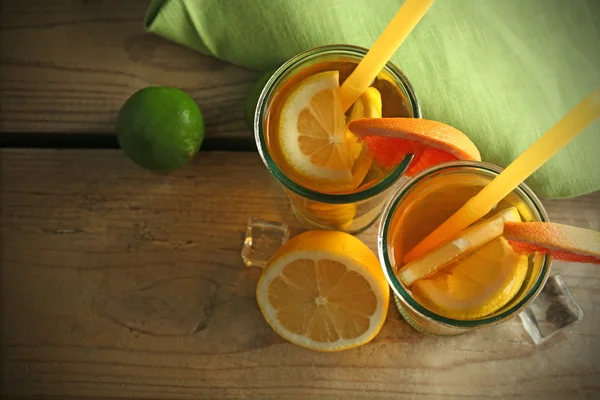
(324, 290)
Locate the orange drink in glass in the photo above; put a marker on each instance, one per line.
(483, 288)
(329, 175)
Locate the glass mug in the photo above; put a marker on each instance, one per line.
(353, 211)
(543, 303)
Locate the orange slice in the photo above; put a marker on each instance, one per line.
(476, 285)
(562, 242)
(431, 142)
(469, 240)
(324, 290)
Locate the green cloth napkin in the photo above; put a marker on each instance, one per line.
(502, 71)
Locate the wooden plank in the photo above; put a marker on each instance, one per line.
(121, 283)
(68, 65)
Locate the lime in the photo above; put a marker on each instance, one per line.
(252, 98)
(160, 128)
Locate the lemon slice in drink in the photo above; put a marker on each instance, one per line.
(368, 105)
(476, 285)
(324, 290)
(469, 240)
(337, 216)
(340, 216)
(312, 133)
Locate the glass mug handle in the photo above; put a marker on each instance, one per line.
(553, 310)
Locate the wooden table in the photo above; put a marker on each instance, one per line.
(125, 284)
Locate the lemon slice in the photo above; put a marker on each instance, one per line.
(341, 216)
(313, 132)
(469, 240)
(324, 290)
(476, 285)
(368, 105)
(337, 216)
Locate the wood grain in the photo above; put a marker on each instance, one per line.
(68, 65)
(121, 283)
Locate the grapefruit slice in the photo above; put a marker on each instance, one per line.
(431, 142)
(562, 242)
(469, 240)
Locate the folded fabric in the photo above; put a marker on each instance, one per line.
(503, 72)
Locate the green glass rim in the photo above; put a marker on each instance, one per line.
(388, 270)
(263, 102)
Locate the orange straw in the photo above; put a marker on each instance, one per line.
(526, 164)
(383, 49)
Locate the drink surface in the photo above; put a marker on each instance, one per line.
(393, 104)
(429, 204)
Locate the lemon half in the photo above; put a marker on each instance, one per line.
(324, 290)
